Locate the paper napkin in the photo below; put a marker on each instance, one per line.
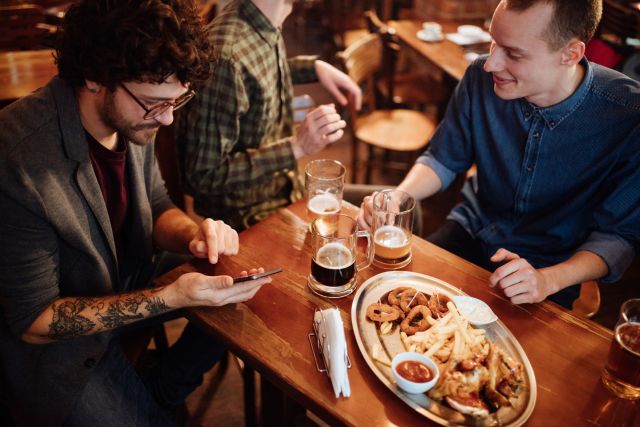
(334, 349)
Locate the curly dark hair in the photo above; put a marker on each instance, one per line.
(114, 41)
(571, 18)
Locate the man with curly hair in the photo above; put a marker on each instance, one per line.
(84, 211)
(239, 150)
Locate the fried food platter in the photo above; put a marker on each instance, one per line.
(372, 342)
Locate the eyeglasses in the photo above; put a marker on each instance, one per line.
(155, 111)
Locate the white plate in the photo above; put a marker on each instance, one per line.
(367, 336)
(425, 37)
(465, 39)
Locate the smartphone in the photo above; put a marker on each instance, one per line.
(257, 275)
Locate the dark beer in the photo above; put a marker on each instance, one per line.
(333, 265)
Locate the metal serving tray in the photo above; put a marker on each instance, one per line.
(367, 335)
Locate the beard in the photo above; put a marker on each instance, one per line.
(139, 134)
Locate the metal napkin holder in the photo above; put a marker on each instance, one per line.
(320, 339)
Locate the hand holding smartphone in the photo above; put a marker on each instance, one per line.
(257, 275)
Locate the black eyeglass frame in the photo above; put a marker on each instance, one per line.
(157, 110)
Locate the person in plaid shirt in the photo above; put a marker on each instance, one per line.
(238, 150)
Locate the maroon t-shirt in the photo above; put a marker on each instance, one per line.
(111, 171)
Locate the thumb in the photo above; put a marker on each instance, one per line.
(220, 282)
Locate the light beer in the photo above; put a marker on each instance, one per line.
(392, 245)
(323, 205)
(333, 265)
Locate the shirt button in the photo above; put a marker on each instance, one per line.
(90, 362)
(536, 135)
(552, 123)
(527, 114)
(529, 168)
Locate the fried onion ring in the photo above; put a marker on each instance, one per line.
(394, 296)
(438, 304)
(410, 298)
(416, 320)
(378, 312)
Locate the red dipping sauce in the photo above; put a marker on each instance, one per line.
(414, 371)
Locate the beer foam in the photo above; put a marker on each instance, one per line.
(391, 236)
(334, 256)
(325, 203)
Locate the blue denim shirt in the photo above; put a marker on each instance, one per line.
(551, 181)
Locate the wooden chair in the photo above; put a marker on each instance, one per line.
(395, 130)
(588, 303)
(345, 21)
(407, 87)
(23, 27)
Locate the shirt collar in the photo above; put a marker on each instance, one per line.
(260, 22)
(555, 114)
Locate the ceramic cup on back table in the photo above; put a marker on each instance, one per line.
(393, 212)
(324, 184)
(334, 245)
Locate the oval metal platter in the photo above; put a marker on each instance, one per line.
(367, 335)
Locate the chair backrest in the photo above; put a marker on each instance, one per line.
(620, 20)
(19, 24)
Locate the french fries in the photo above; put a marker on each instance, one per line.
(449, 338)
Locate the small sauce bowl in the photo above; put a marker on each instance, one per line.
(407, 385)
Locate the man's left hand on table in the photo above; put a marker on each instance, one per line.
(518, 279)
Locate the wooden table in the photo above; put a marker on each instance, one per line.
(23, 72)
(270, 333)
(443, 55)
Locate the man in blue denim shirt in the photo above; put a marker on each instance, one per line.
(556, 141)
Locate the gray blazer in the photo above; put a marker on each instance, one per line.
(56, 240)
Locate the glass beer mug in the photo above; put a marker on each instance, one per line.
(392, 225)
(621, 374)
(324, 183)
(334, 268)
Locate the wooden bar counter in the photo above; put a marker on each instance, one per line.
(270, 333)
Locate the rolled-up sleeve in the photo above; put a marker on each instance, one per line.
(450, 150)
(615, 251)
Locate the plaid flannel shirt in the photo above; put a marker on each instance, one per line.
(236, 155)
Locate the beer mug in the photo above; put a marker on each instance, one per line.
(334, 269)
(392, 225)
(324, 183)
(621, 374)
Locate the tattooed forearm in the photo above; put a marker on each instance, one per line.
(156, 306)
(74, 317)
(67, 321)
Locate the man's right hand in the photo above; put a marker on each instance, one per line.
(195, 289)
(321, 127)
(365, 215)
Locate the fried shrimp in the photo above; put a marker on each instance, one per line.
(378, 312)
(416, 320)
(438, 304)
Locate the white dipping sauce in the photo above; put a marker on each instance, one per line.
(475, 310)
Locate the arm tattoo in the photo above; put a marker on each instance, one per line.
(69, 321)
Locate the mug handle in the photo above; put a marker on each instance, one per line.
(367, 262)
